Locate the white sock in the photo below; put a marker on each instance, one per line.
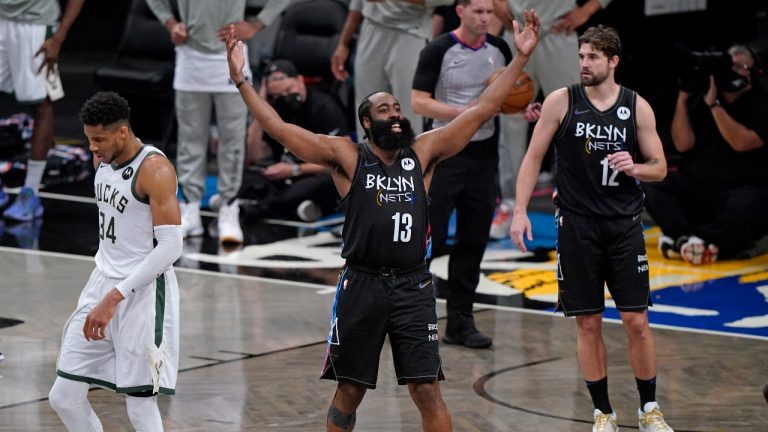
(70, 401)
(35, 171)
(144, 413)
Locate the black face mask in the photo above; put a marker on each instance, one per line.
(287, 105)
(381, 131)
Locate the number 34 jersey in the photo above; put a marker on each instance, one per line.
(386, 212)
(585, 182)
(125, 221)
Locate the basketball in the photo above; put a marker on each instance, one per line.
(519, 96)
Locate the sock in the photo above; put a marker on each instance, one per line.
(647, 389)
(599, 392)
(35, 170)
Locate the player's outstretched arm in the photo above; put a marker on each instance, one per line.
(329, 151)
(444, 142)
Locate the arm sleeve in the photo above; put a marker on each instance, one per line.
(271, 10)
(430, 63)
(167, 251)
(356, 5)
(434, 3)
(161, 9)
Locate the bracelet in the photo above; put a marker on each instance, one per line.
(240, 84)
(716, 103)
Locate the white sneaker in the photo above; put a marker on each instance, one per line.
(308, 211)
(667, 248)
(696, 251)
(501, 222)
(651, 419)
(229, 223)
(605, 422)
(191, 224)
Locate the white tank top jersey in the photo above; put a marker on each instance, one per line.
(126, 231)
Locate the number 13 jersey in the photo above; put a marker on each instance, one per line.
(125, 228)
(386, 212)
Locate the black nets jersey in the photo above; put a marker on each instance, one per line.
(584, 181)
(386, 212)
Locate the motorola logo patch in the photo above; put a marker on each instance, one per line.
(127, 173)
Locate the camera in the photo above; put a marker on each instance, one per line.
(697, 67)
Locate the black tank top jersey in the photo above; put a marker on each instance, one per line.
(386, 212)
(584, 182)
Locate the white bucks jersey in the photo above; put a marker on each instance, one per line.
(125, 221)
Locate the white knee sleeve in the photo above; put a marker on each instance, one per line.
(144, 413)
(70, 401)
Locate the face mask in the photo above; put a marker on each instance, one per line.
(287, 105)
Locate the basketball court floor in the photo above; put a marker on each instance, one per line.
(254, 325)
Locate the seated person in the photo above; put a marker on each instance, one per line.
(286, 186)
(716, 202)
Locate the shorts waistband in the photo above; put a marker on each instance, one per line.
(388, 272)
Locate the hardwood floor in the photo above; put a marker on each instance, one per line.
(252, 350)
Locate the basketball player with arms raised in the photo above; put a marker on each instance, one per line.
(124, 334)
(385, 287)
(602, 133)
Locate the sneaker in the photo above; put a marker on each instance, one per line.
(604, 422)
(501, 222)
(26, 233)
(651, 419)
(308, 211)
(27, 206)
(2, 357)
(667, 248)
(191, 224)
(229, 223)
(3, 196)
(695, 251)
(471, 338)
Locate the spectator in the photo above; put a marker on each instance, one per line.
(453, 71)
(296, 188)
(555, 65)
(28, 59)
(392, 32)
(714, 205)
(201, 61)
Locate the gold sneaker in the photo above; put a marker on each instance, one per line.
(605, 422)
(651, 419)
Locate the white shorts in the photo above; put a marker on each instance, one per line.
(141, 349)
(18, 65)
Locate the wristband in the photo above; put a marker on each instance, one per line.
(240, 84)
(716, 103)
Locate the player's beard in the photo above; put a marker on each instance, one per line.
(594, 79)
(383, 136)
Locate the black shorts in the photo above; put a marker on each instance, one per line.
(369, 307)
(596, 252)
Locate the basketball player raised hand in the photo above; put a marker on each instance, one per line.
(385, 287)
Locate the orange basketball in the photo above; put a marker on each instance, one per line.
(519, 96)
